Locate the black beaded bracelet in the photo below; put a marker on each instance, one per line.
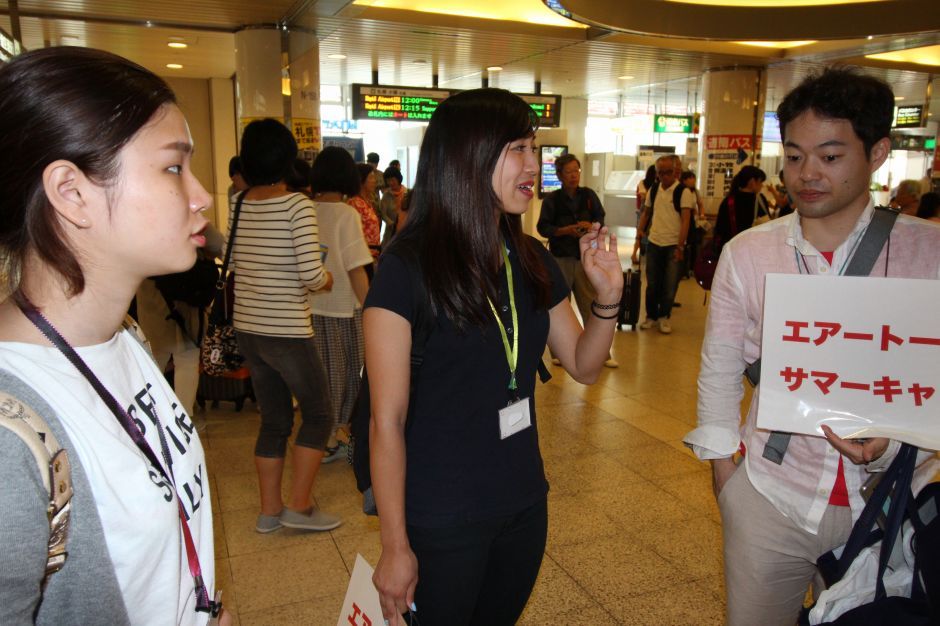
(604, 317)
(605, 307)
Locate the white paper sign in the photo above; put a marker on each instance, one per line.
(860, 354)
(361, 606)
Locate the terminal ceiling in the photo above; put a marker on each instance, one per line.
(409, 47)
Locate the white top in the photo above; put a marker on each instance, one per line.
(799, 488)
(341, 230)
(139, 514)
(667, 222)
(276, 259)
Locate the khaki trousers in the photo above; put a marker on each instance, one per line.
(769, 560)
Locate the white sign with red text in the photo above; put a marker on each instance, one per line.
(361, 606)
(860, 354)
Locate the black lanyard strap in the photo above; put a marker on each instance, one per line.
(203, 604)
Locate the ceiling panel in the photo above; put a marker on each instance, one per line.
(229, 14)
(408, 48)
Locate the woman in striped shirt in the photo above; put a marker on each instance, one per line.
(278, 262)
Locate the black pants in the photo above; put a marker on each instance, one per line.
(478, 574)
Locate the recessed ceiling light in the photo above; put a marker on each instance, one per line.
(898, 97)
(870, 37)
(494, 68)
(336, 56)
(174, 66)
(625, 77)
(177, 42)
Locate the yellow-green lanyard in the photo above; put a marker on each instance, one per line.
(512, 354)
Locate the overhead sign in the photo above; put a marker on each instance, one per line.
(548, 108)
(840, 351)
(400, 104)
(417, 104)
(672, 124)
(911, 142)
(909, 116)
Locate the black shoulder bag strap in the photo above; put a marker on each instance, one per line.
(677, 197)
(861, 264)
(218, 315)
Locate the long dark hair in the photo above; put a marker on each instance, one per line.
(745, 176)
(452, 222)
(76, 104)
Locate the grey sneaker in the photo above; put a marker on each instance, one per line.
(334, 453)
(314, 520)
(648, 323)
(268, 523)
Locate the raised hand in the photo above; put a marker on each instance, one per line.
(602, 263)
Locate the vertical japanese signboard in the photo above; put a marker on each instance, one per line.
(721, 160)
(861, 355)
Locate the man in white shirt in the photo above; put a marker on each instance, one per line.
(780, 514)
(667, 211)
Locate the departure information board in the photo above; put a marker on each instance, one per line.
(399, 104)
(417, 104)
(548, 108)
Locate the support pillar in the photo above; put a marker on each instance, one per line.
(733, 124)
(258, 76)
(304, 72)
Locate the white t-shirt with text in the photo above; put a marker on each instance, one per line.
(137, 507)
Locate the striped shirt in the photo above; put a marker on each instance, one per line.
(277, 262)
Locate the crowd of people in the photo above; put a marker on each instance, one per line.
(338, 265)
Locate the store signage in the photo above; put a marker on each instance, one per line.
(909, 116)
(672, 124)
(548, 108)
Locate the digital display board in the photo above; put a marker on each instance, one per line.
(548, 108)
(771, 127)
(417, 104)
(548, 180)
(909, 116)
(399, 104)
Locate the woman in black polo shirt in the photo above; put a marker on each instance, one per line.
(461, 492)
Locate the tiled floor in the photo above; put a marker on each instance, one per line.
(634, 534)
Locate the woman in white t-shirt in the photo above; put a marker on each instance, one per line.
(96, 194)
(337, 313)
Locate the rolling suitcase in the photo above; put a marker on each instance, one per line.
(230, 387)
(629, 313)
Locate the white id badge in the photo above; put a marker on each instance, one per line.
(514, 418)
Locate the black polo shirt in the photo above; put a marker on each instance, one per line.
(458, 468)
(559, 209)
